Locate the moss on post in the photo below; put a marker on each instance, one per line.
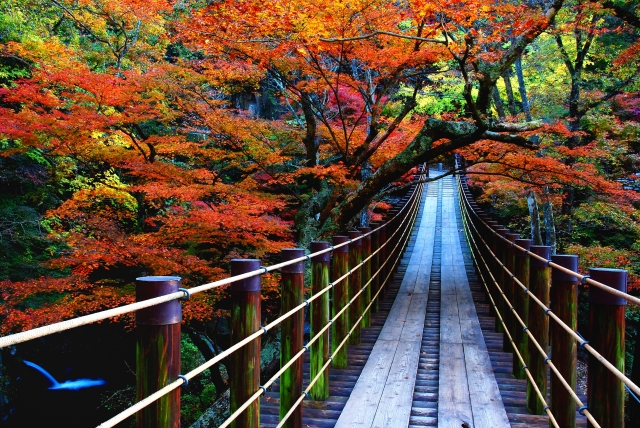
(339, 328)
(319, 312)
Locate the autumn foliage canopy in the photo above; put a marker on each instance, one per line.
(166, 138)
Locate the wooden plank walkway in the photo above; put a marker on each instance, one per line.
(468, 394)
(383, 395)
(512, 390)
(323, 414)
(431, 357)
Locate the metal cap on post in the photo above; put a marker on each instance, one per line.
(564, 302)
(148, 287)
(567, 261)
(244, 375)
(524, 243)
(292, 254)
(317, 246)
(606, 394)
(614, 278)
(339, 239)
(158, 351)
(241, 266)
(542, 251)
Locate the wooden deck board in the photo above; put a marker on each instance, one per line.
(468, 392)
(388, 403)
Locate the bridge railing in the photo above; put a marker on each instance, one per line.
(527, 288)
(362, 264)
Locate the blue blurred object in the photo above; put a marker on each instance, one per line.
(69, 384)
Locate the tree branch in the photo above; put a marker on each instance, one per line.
(378, 33)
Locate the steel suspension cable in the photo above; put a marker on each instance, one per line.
(548, 360)
(326, 365)
(177, 383)
(262, 389)
(581, 342)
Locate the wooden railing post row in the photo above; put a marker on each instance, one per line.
(490, 238)
(564, 350)
(478, 233)
(509, 290)
(158, 351)
(501, 249)
(382, 258)
(481, 232)
(339, 328)
(244, 373)
(291, 335)
(366, 275)
(521, 303)
(375, 264)
(319, 314)
(355, 285)
(538, 323)
(607, 336)
(392, 251)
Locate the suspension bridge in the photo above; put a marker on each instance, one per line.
(436, 316)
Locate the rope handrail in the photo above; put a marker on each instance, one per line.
(583, 343)
(153, 397)
(315, 379)
(548, 360)
(14, 339)
(261, 390)
(579, 276)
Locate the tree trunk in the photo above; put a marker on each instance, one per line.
(497, 101)
(523, 90)
(535, 218)
(208, 352)
(549, 224)
(310, 138)
(511, 102)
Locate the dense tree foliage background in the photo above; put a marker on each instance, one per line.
(152, 138)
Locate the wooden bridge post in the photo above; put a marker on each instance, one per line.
(339, 328)
(158, 351)
(607, 336)
(509, 290)
(355, 285)
(382, 257)
(244, 376)
(521, 303)
(375, 264)
(392, 251)
(538, 323)
(366, 275)
(564, 351)
(491, 239)
(291, 335)
(319, 314)
(501, 249)
(481, 231)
